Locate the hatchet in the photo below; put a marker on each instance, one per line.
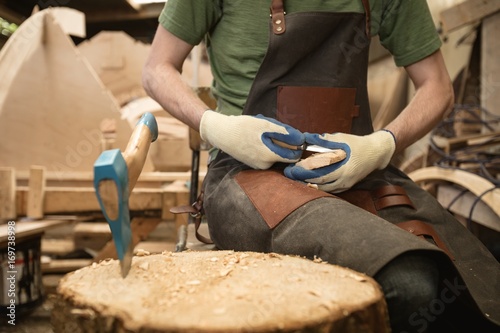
(115, 175)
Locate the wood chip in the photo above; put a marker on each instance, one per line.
(142, 252)
(144, 266)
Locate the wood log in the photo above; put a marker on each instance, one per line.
(219, 291)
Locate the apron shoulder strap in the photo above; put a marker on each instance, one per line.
(278, 16)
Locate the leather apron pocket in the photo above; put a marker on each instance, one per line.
(317, 109)
(275, 196)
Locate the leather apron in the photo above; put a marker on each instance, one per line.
(313, 77)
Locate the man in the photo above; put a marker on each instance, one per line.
(285, 73)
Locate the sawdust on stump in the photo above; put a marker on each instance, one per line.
(219, 291)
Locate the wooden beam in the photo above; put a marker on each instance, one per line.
(467, 12)
(7, 194)
(36, 192)
(86, 179)
(65, 200)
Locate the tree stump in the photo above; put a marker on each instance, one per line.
(219, 291)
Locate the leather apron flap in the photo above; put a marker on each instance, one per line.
(274, 195)
(317, 109)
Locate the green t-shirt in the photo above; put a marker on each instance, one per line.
(236, 33)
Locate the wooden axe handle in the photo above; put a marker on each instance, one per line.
(145, 132)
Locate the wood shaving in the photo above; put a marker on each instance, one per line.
(142, 252)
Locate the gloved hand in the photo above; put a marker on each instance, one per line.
(364, 154)
(249, 139)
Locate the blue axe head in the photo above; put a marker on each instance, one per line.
(115, 175)
(110, 169)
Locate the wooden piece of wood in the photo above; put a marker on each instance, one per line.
(58, 126)
(141, 227)
(28, 229)
(170, 152)
(476, 184)
(467, 12)
(219, 291)
(118, 60)
(36, 193)
(71, 21)
(471, 140)
(86, 178)
(490, 67)
(320, 160)
(7, 194)
(91, 235)
(67, 200)
(55, 246)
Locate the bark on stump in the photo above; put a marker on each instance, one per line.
(219, 291)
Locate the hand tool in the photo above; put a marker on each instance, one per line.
(304, 147)
(115, 175)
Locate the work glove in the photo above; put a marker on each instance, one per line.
(363, 154)
(257, 141)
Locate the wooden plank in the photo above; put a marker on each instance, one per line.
(28, 229)
(86, 178)
(66, 200)
(36, 193)
(467, 12)
(490, 67)
(7, 194)
(470, 140)
(55, 246)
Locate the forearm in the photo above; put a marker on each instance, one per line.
(432, 101)
(166, 86)
(162, 79)
(426, 109)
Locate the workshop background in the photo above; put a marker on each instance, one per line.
(70, 88)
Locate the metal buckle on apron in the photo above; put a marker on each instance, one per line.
(196, 211)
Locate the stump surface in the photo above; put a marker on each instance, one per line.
(219, 291)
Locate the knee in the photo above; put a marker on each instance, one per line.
(410, 284)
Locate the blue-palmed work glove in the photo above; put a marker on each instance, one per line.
(253, 140)
(363, 154)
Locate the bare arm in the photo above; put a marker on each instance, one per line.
(162, 78)
(433, 99)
